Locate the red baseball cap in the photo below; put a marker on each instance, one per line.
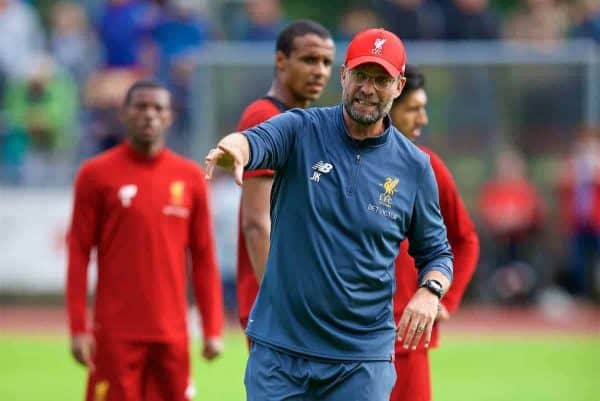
(376, 45)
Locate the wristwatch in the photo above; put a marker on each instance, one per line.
(434, 286)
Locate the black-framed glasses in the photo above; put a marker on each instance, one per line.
(380, 82)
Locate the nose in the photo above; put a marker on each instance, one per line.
(423, 118)
(368, 86)
(321, 69)
(150, 112)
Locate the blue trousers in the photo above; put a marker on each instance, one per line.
(273, 375)
(585, 255)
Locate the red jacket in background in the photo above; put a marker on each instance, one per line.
(465, 248)
(510, 208)
(146, 217)
(579, 195)
(247, 285)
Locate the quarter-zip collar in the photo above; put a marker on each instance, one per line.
(373, 142)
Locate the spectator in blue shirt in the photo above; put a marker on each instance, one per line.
(121, 31)
(471, 20)
(587, 20)
(262, 20)
(178, 36)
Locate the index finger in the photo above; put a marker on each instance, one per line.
(428, 332)
(403, 325)
(210, 160)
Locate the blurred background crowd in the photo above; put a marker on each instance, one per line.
(520, 134)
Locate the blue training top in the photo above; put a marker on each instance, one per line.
(339, 209)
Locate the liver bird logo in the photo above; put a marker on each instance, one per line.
(177, 189)
(390, 186)
(101, 390)
(389, 189)
(378, 46)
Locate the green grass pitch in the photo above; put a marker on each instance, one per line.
(500, 368)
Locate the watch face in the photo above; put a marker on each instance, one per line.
(435, 287)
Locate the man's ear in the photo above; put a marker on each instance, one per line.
(280, 60)
(400, 86)
(171, 117)
(343, 72)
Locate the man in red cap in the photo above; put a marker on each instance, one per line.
(349, 188)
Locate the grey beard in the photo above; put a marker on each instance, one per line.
(364, 119)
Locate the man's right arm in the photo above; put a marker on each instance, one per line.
(81, 239)
(256, 221)
(268, 145)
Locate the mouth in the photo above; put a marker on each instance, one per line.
(315, 86)
(149, 127)
(365, 102)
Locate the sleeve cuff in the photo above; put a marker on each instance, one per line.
(445, 270)
(259, 173)
(251, 146)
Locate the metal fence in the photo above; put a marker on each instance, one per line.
(482, 95)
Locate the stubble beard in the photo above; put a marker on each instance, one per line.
(366, 118)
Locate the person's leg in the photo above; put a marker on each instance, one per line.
(579, 257)
(356, 381)
(167, 377)
(413, 381)
(272, 375)
(118, 370)
(593, 274)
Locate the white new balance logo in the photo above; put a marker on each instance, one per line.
(320, 167)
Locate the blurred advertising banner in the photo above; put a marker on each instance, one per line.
(33, 227)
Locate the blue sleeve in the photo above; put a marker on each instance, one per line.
(272, 141)
(428, 242)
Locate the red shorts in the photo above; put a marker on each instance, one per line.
(413, 379)
(136, 370)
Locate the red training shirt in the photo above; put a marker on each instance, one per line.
(463, 240)
(510, 208)
(579, 195)
(247, 286)
(146, 217)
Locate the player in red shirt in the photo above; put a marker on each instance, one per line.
(145, 211)
(303, 61)
(579, 210)
(409, 115)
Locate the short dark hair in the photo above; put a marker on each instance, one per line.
(142, 84)
(285, 39)
(415, 80)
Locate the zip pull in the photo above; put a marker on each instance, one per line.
(352, 186)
